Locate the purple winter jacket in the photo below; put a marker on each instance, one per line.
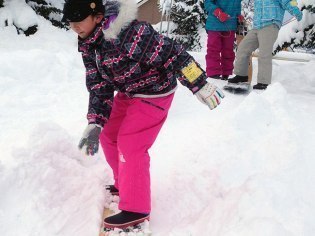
(129, 56)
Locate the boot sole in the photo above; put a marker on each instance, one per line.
(125, 225)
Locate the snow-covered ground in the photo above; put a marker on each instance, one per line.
(243, 169)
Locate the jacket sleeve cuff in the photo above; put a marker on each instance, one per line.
(198, 85)
(96, 119)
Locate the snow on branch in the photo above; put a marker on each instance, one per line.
(296, 34)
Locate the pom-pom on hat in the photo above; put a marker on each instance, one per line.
(78, 10)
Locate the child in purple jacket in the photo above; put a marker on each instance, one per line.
(141, 66)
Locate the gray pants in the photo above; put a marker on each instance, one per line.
(263, 39)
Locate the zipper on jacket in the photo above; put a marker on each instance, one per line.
(152, 104)
(96, 62)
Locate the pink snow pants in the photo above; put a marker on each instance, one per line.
(220, 53)
(131, 130)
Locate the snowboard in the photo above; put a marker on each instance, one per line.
(108, 211)
(238, 88)
(141, 229)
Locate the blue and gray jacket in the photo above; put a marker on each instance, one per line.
(269, 12)
(231, 7)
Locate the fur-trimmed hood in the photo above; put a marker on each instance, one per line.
(126, 11)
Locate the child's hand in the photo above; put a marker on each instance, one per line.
(221, 15)
(298, 15)
(295, 10)
(240, 18)
(90, 139)
(210, 95)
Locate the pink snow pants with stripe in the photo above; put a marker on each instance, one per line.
(131, 130)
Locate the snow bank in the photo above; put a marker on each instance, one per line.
(51, 191)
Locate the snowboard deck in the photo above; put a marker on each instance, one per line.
(239, 88)
(107, 212)
(141, 229)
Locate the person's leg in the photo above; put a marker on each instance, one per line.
(213, 56)
(266, 37)
(108, 137)
(228, 54)
(138, 131)
(244, 51)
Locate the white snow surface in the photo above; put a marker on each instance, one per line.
(17, 12)
(243, 169)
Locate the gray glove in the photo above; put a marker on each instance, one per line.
(210, 95)
(90, 139)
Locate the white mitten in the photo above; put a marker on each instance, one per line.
(210, 95)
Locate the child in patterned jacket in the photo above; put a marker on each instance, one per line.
(268, 17)
(141, 66)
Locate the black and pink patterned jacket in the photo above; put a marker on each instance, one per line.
(128, 56)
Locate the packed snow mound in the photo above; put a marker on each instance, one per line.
(53, 185)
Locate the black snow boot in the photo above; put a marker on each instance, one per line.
(125, 219)
(225, 77)
(260, 86)
(238, 79)
(112, 189)
(215, 76)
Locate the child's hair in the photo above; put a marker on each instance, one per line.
(78, 10)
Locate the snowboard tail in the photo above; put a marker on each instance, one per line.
(107, 212)
(238, 88)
